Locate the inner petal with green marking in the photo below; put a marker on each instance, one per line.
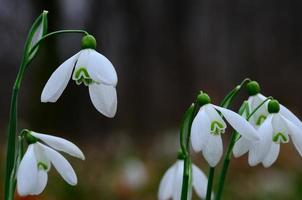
(42, 166)
(280, 138)
(81, 75)
(217, 128)
(260, 120)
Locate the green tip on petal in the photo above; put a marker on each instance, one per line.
(253, 88)
(273, 106)
(88, 42)
(29, 138)
(180, 155)
(203, 99)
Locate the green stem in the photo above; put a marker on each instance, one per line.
(226, 102)
(12, 125)
(228, 155)
(226, 164)
(56, 33)
(210, 183)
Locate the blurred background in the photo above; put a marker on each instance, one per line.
(164, 52)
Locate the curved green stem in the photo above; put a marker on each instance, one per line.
(233, 140)
(12, 125)
(56, 33)
(226, 102)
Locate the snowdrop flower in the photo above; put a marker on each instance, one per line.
(34, 166)
(243, 145)
(171, 184)
(208, 126)
(255, 99)
(275, 130)
(93, 70)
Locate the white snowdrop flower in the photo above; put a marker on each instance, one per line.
(243, 145)
(275, 130)
(93, 70)
(208, 126)
(32, 172)
(171, 184)
(255, 99)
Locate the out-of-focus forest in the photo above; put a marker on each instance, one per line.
(164, 52)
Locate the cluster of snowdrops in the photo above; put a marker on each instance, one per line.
(260, 126)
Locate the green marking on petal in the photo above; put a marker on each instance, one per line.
(81, 75)
(260, 120)
(280, 138)
(217, 128)
(42, 166)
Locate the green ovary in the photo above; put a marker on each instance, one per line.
(217, 128)
(280, 138)
(260, 120)
(81, 75)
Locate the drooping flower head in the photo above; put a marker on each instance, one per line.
(32, 172)
(208, 125)
(93, 70)
(171, 184)
(274, 131)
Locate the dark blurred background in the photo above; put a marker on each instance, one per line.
(164, 52)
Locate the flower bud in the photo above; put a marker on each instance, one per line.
(273, 106)
(88, 42)
(203, 99)
(253, 88)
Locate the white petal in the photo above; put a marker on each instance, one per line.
(290, 116)
(257, 118)
(166, 184)
(199, 181)
(41, 157)
(58, 81)
(213, 115)
(240, 124)
(60, 144)
(104, 99)
(259, 149)
(272, 155)
(101, 69)
(177, 186)
(213, 150)
(27, 174)
(61, 165)
(241, 147)
(296, 135)
(200, 130)
(41, 183)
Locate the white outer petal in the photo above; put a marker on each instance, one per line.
(200, 130)
(259, 149)
(104, 99)
(296, 134)
(27, 173)
(101, 69)
(241, 147)
(177, 186)
(213, 114)
(58, 80)
(61, 165)
(213, 150)
(272, 155)
(60, 144)
(241, 125)
(41, 182)
(166, 184)
(199, 181)
(290, 116)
